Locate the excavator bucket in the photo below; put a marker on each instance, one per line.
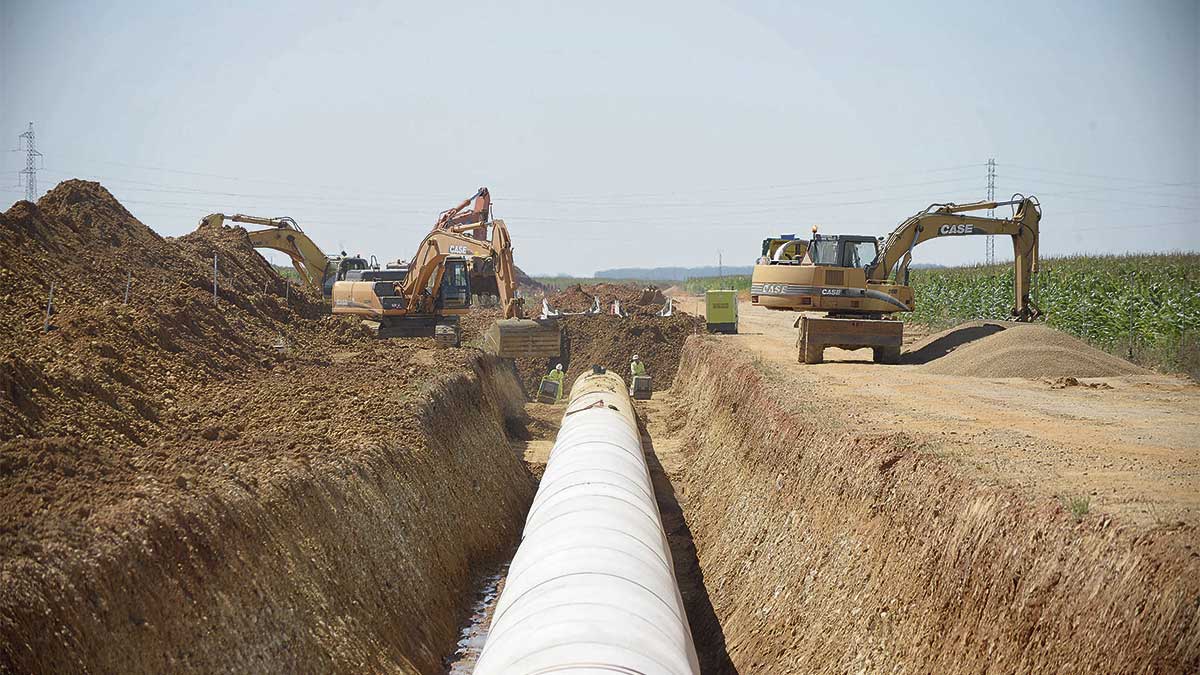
(523, 338)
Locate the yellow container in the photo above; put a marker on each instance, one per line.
(720, 311)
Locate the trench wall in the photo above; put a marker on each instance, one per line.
(828, 548)
(359, 564)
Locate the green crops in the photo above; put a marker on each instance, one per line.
(1142, 307)
(737, 282)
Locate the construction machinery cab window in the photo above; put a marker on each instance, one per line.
(348, 264)
(843, 251)
(456, 285)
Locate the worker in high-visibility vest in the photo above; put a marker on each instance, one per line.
(637, 367)
(557, 375)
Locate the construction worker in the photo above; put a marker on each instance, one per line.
(556, 375)
(637, 367)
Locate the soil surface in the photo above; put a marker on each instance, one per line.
(662, 444)
(239, 483)
(830, 542)
(603, 340)
(1125, 444)
(1005, 349)
(633, 299)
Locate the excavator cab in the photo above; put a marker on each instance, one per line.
(351, 263)
(844, 250)
(455, 290)
(340, 269)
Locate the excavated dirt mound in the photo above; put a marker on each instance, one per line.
(605, 340)
(297, 522)
(247, 485)
(611, 341)
(1003, 349)
(527, 284)
(107, 370)
(475, 323)
(633, 299)
(486, 284)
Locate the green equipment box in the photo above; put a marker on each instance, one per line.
(720, 311)
(549, 391)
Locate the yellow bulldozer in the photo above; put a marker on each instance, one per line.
(861, 282)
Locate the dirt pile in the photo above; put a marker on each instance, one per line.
(633, 299)
(826, 547)
(284, 524)
(108, 370)
(475, 323)
(527, 284)
(611, 341)
(245, 485)
(1003, 349)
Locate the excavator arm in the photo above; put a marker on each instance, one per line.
(480, 205)
(950, 220)
(283, 235)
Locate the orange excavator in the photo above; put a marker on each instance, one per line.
(428, 297)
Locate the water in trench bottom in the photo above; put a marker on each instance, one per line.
(474, 633)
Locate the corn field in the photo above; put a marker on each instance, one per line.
(737, 282)
(1143, 307)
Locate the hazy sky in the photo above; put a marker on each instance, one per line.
(618, 133)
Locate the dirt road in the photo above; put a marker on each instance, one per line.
(1128, 445)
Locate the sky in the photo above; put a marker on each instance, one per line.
(617, 134)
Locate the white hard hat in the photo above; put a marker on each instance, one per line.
(635, 357)
(558, 367)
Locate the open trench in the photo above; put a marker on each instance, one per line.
(665, 461)
(801, 543)
(804, 543)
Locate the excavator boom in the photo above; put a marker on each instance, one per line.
(283, 234)
(950, 220)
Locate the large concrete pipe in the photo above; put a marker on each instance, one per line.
(592, 588)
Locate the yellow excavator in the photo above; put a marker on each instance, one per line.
(860, 282)
(427, 297)
(315, 269)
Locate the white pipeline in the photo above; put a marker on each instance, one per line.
(592, 587)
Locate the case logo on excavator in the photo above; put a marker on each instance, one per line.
(458, 249)
(961, 228)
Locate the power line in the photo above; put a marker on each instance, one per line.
(387, 201)
(725, 204)
(1104, 177)
(1075, 195)
(1149, 226)
(605, 197)
(1137, 189)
